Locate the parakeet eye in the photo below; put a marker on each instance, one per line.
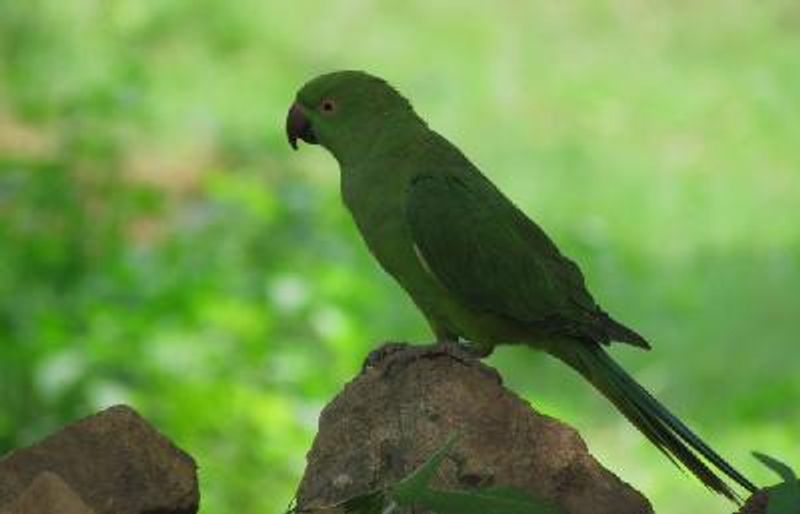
(328, 106)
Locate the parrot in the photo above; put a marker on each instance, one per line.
(478, 268)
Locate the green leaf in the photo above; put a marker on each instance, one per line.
(375, 502)
(414, 491)
(784, 498)
(783, 470)
(480, 501)
(415, 485)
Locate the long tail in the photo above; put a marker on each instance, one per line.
(660, 426)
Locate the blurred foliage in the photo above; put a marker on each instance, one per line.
(782, 498)
(160, 244)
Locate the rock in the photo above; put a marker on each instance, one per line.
(756, 504)
(48, 494)
(111, 463)
(403, 407)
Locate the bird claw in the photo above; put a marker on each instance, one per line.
(380, 354)
(388, 356)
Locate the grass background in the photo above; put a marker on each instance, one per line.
(161, 245)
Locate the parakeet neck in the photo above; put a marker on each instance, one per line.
(388, 136)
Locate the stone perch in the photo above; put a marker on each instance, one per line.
(109, 463)
(409, 400)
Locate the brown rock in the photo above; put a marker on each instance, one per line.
(400, 410)
(756, 504)
(110, 463)
(48, 494)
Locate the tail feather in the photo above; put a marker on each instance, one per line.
(661, 427)
(616, 331)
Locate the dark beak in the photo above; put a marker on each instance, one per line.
(298, 127)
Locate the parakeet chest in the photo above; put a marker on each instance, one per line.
(378, 209)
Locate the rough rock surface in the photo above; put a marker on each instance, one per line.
(48, 493)
(110, 463)
(405, 405)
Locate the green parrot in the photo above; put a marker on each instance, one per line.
(477, 267)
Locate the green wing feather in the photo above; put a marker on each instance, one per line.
(492, 256)
(474, 240)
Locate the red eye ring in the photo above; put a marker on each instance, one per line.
(328, 106)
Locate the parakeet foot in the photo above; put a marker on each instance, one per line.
(390, 355)
(379, 354)
(476, 350)
(452, 348)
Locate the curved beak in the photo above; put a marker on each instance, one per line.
(299, 127)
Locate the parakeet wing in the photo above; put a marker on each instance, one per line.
(488, 253)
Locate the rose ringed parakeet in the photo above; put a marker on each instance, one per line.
(476, 266)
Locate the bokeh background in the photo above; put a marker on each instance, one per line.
(161, 245)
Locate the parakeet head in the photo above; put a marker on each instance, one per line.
(346, 112)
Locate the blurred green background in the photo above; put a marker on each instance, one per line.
(161, 245)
